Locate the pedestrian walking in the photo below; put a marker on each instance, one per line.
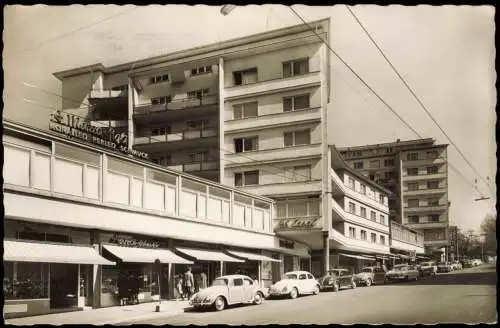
(204, 280)
(180, 286)
(188, 283)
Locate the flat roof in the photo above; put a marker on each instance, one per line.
(404, 143)
(217, 46)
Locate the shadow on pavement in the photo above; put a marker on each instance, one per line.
(211, 309)
(456, 278)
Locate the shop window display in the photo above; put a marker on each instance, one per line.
(25, 280)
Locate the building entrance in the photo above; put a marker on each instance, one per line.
(63, 285)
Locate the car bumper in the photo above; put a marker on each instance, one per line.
(200, 303)
(278, 292)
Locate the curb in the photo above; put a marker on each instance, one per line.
(141, 317)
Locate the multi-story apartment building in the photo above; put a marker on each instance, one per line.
(248, 112)
(416, 171)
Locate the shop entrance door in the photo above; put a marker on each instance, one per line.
(63, 285)
(85, 298)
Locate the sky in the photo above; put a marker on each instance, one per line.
(445, 53)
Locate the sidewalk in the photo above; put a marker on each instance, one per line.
(111, 315)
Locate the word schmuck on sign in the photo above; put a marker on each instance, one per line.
(74, 126)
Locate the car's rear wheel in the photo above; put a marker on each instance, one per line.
(258, 298)
(368, 283)
(220, 303)
(316, 290)
(294, 293)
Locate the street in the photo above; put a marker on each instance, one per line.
(467, 296)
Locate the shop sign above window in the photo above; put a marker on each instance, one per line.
(130, 242)
(298, 223)
(75, 126)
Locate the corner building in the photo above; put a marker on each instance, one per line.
(416, 172)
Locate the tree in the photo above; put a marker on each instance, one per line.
(489, 229)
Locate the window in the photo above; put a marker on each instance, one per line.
(433, 217)
(296, 67)
(245, 110)
(351, 183)
(201, 70)
(373, 216)
(352, 208)
(363, 235)
(161, 100)
(375, 164)
(412, 171)
(432, 170)
(163, 160)
(238, 282)
(197, 157)
(433, 184)
(158, 79)
(363, 189)
(392, 217)
(432, 155)
(302, 276)
(25, 280)
(413, 219)
(382, 240)
(245, 144)
(297, 138)
(197, 94)
(388, 162)
(412, 156)
(433, 202)
(373, 238)
(363, 211)
(381, 199)
(392, 203)
(295, 103)
(358, 165)
(412, 186)
(310, 276)
(389, 175)
(246, 178)
(247, 282)
(412, 202)
(382, 219)
(161, 131)
(352, 232)
(247, 76)
(298, 173)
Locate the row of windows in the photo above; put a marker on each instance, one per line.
(298, 208)
(290, 69)
(300, 173)
(414, 156)
(194, 94)
(294, 138)
(189, 125)
(194, 71)
(430, 218)
(194, 157)
(363, 213)
(431, 184)
(364, 236)
(369, 152)
(250, 109)
(373, 164)
(365, 191)
(430, 202)
(415, 171)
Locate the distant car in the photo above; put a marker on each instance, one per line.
(228, 290)
(456, 266)
(467, 264)
(428, 268)
(336, 279)
(402, 272)
(371, 275)
(477, 262)
(295, 283)
(444, 267)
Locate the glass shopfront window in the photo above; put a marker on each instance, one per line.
(25, 280)
(109, 283)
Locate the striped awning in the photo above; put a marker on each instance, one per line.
(204, 255)
(253, 256)
(145, 255)
(27, 251)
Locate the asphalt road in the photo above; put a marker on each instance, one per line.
(467, 296)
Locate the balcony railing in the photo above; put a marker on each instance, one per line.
(118, 181)
(176, 104)
(108, 93)
(424, 191)
(195, 167)
(177, 136)
(425, 208)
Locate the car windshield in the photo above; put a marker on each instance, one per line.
(366, 270)
(400, 268)
(291, 276)
(220, 282)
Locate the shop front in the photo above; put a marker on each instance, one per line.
(257, 266)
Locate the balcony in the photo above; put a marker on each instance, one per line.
(339, 214)
(283, 189)
(273, 85)
(274, 155)
(423, 161)
(282, 119)
(441, 175)
(188, 138)
(195, 167)
(429, 208)
(427, 225)
(424, 191)
(101, 94)
(346, 243)
(142, 110)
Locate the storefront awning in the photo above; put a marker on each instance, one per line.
(403, 256)
(359, 257)
(145, 255)
(252, 256)
(21, 251)
(204, 255)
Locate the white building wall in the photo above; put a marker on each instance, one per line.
(75, 90)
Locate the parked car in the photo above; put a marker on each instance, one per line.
(456, 266)
(228, 290)
(477, 262)
(336, 279)
(371, 275)
(444, 267)
(467, 264)
(295, 283)
(428, 268)
(403, 272)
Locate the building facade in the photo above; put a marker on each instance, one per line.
(249, 113)
(416, 172)
(83, 224)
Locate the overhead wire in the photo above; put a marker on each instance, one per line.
(415, 96)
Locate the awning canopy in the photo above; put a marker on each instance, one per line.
(145, 255)
(204, 255)
(403, 256)
(252, 256)
(359, 257)
(22, 251)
